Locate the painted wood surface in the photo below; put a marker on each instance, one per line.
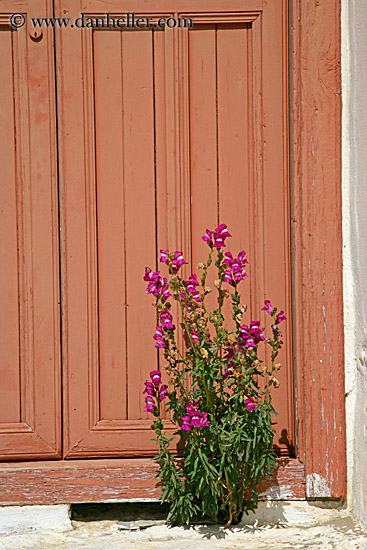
(30, 389)
(179, 131)
(317, 244)
(114, 480)
(94, 125)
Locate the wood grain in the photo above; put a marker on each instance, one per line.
(317, 244)
(115, 480)
(30, 420)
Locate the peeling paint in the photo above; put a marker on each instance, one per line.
(284, 493)
(317, 486)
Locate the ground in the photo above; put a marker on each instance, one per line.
(282, 526)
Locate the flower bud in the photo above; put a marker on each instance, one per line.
(200, 265)
(217, 283)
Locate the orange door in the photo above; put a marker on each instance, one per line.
(30, 389)
(163, 134)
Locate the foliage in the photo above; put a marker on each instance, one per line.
(221, 410)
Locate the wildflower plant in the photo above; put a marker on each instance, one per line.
(222, 412)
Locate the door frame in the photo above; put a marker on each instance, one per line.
(315, 186)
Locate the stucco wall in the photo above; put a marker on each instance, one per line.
(354, 180)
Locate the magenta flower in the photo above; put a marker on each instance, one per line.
(164, 256)
(250, 405)
(251, 336)
(151, 276)
(237, 270)
(156, 377)
(186, 423)
(165, 318)
(192, 407)
(149, 388)
(226, 373)
(150, 404)
(194, 336)
(218, 235)
(191, 284)
(268, 307)
(208, 237)
(229, 353)
(194, 418)
(280, 317)
(199, 420)
(165, 294)
(156, 284)
(175, 261)
(160, 338)
(162, 392)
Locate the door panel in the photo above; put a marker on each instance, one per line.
(162, 134)
(29, 333)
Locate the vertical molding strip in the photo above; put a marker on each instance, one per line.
(91, 225)
(315, 109)
(177, 131)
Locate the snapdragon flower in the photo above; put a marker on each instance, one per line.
(160, 338)
(280, 317)
(250, 404)
(150, 404)
(174, 260)
(217, 237)
(156, 391)
(267, 307)
(157, 285)
(237, 270)
(165, 318)
(252, 335)
(194, 419)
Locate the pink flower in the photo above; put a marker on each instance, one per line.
(160, 338)
(194, 336)
(156, 284)
(268, 307)
(218, 235)
(250, 405)
(175, 261)
(149, 389)
(229, 353)
(199, 420)
(252, 335)
(150, 404)
(192, 407)
(194, 418)
(191, 284)
(280, 317)
(151, 276)
(164, 255)
(165, 318)
(162, 393)
(186, 423)
(237, 271)
(228, 370)
(208, 237)
(156, 377)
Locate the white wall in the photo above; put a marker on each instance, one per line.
(354, 181)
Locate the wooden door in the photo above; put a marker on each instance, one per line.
(30, 390)
(163, 134)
